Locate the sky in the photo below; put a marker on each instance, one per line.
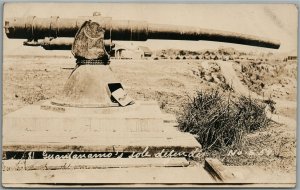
(274, 21)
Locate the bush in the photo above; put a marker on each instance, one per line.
(219, 122)
(251, 114)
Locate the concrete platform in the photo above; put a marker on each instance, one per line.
(155, 172)
(142, 116)
(116, 129)
(142, 175)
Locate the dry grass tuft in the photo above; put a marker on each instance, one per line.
(219, 122)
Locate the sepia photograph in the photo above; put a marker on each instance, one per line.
(149, 95)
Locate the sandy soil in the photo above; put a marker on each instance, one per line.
(170, 82)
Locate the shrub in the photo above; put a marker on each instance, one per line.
(251, 114)
(219, 122)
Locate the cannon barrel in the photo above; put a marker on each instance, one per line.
(34, 28)
(60, 43)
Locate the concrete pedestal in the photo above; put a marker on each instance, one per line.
(64, 129)
(88, 86)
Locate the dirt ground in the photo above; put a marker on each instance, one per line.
(29, 79)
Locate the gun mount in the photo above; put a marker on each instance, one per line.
(95, 86)
(61, 43)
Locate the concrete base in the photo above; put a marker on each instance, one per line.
(88, 86)
(130, 128)
(139, 117)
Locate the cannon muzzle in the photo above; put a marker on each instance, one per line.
(33, 28)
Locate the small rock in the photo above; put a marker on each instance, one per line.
(209, 78)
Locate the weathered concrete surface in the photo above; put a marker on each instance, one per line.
(144, 175)
(127, 129)
(88, 87)
(96, 163)
(246, 174)
(142, 116)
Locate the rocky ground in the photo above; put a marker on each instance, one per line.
(171, 83)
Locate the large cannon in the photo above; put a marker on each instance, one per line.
(34, 28)
(87, 85)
